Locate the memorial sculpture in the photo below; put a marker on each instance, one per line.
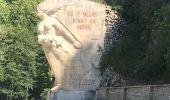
(51, 36)
(71, 32)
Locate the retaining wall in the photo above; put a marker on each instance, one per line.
(146, 92)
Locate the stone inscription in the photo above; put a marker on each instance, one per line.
(84, 19)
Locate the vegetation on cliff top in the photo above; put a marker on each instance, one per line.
(142, 55)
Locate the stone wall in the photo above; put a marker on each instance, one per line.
(146, 92)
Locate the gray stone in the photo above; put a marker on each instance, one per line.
(74, 95)
(81, 21)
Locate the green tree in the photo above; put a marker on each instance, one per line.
(4, 11)
(160, 41)
(19, 66)
(142, 54)
(23, 67)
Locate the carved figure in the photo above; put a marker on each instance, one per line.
(52, 35)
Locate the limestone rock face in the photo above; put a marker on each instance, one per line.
(79, 21)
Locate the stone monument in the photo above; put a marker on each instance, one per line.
(71, 33)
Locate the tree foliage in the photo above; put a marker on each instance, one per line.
(23, 67)
(142, 54)
(19, 66)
